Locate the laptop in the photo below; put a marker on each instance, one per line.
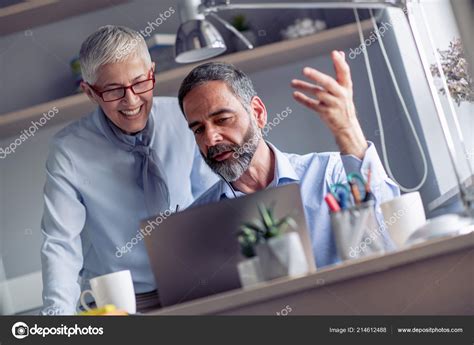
(194, 253)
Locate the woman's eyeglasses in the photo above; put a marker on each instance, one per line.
(119, 93)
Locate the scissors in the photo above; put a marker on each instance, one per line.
(341, 192)
(352, 178)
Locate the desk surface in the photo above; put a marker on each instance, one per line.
(423, 266)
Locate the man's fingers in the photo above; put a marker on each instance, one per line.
(343, 71)
(319, 92)
(305, 86)
(326, 98)
(327, 82)
(314, 104)
(305, 100)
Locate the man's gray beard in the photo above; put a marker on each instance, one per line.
(232, 168)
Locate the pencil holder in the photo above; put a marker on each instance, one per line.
(357, 232)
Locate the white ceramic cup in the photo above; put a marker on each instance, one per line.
(113, 288)
(402, 216)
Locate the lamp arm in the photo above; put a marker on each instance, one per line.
(232, 28)
(216, 6)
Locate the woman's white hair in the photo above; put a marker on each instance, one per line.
(110, 44)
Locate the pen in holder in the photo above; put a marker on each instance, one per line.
(356, 231)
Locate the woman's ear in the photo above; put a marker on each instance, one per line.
(89, 92)
(259, 111)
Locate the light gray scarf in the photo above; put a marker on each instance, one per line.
(153, 177)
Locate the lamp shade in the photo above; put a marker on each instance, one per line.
(198, 40)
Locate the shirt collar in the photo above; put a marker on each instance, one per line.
(100, 120)
(284, 173)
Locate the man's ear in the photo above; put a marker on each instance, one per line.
(89, 92)
(259, 111)
(153, 67)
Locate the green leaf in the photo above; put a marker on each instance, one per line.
(263, 229)
(274, 232)
(247, 240)
(285, 221)
(267, 219)
(270, 210)
(253, 227)
(248, 233)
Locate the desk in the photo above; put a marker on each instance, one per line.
(432, 278)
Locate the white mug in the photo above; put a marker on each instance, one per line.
(402, 216)
(113, 288)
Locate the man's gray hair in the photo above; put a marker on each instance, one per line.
(237, 81)
(110, 44)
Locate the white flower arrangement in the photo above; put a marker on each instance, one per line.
(303, 27)
(455, 68)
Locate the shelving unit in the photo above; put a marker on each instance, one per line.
(167, 82)
(26, 14)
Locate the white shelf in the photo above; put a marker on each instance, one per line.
(167, 83)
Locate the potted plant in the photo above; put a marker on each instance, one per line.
(250, 272)
(280, 252)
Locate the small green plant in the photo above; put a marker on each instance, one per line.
(240, 23)
(262, 229)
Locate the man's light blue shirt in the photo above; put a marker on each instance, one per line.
(316, 172)
(94, 203)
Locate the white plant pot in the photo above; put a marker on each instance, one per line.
(250, 272)
(282, 256)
